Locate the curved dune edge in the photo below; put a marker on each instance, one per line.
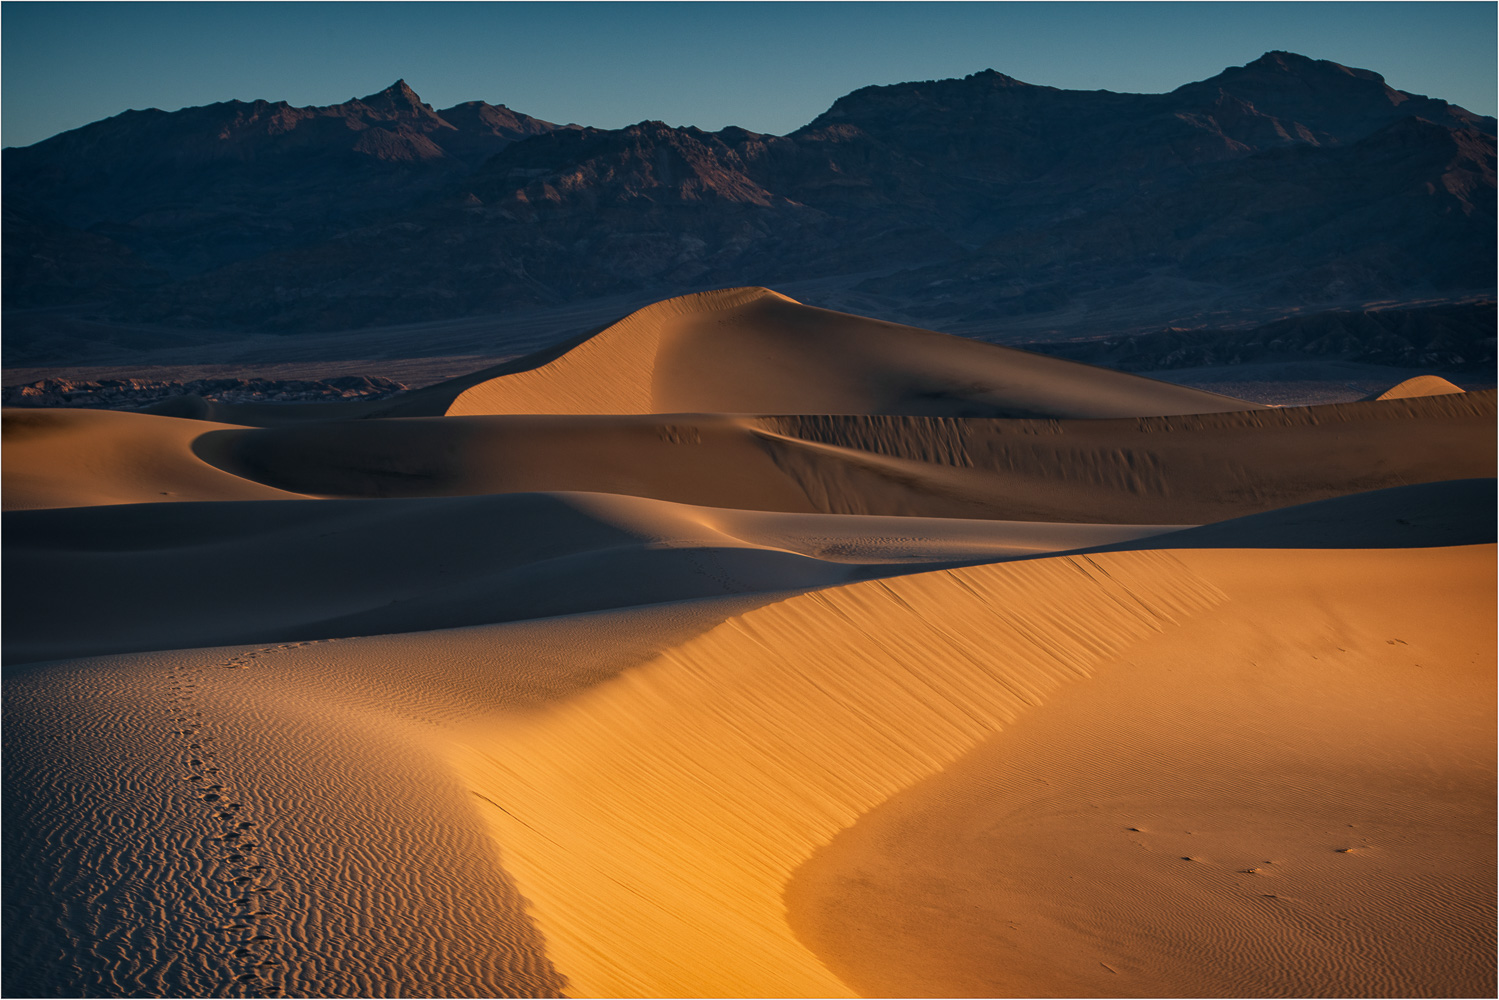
(74, 458)
(753, 350)
(383, 878)
(1292, 794)
(625, 353)
(654, 820)
(1181, 469)
(651, 788)
(1421, 385)
(366, 567)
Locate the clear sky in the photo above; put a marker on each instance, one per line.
(769, 67)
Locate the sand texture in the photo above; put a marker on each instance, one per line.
(740, 648)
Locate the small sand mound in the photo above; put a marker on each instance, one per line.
(1421, 385)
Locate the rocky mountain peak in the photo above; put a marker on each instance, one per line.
(1281, 77)
(882, 105)
(397, 100)
(1294, 64)
(1336, 103)
(994, 78)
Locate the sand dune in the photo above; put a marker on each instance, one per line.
(1177, 470)
(1426, 515)
(1290, 793)
(1197, 468)
(114, 579)
(1421, 385)
(285, 868)
(747, 649)
(751, 350)
(1183, 469)
(67, 458)
(574, 747)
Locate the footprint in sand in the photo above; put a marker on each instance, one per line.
(239, 856)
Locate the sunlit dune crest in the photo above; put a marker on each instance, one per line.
(743, 648)
(752, 350)
(1421, 385)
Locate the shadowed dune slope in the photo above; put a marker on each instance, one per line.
(1421, 385)
(1185, 469)
(1426, 515)
(160, 576)
(1181, 470)
(328, 852)
(751, 350)
(1178, 470)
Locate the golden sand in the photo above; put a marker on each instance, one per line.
(749, 649)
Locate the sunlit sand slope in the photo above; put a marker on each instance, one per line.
(380, 877)
(751, 350)
(1421, 385)
(64, 458)
(653, 820)
(162, 576)
(1182, 469)
(615, 803)
(1292, 794)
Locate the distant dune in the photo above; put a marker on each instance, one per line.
(751, 350)
(365, 568)
(741, 648)
(1421, 385)
(1176, 470)
(76, 458)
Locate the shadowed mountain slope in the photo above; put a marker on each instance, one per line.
(1284, 184)
(191, 190)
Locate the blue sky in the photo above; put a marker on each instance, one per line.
(769, 67)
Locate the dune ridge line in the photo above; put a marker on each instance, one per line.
(760, 752)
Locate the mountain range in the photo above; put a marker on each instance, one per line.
(981, 205)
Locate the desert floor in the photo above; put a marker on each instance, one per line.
(744, 648)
